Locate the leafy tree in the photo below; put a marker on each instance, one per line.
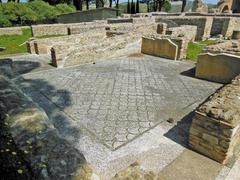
(43, 10)
(18, 13)
(99, 3)
(167, 6)
(64, 8)
(4, 22)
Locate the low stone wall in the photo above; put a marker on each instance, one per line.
(162, 47)
(49, 29)
(91, 46)
(50, 156)
(11, 31)
(215, 129)
(119, 20)
(228, 47)
(88, 15)
(203, 24)
(218, 67)
(187, 31)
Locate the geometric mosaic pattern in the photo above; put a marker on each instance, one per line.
(118, 100)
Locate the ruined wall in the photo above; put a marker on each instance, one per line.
(218, 25)
(218, 67)
(215, 129)
(203, 24)
(63, 29)
(161, 47)
(87, 16)
(230, 25)
(11, 31)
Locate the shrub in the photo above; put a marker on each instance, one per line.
(64, 8)
(167, 6)
(4, 22)
(42, 10)
(17, 13)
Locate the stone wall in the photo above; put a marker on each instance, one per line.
(203, 24)
(218, 24)
(218, 67)
(11, 31)
(91, 46)
(88, 15)
(229, 26)
(50, 156)
(215, 129)
(227, 46)
(162, 47)
(100, 48)
(49, 29)
(187, 31)
(63, 29)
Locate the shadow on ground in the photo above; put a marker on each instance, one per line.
(67, 131)
(180, 132)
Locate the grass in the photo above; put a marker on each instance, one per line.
(14, 43)
(196, 48)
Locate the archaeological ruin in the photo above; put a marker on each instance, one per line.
(117, 99)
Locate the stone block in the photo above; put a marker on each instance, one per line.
(215, 129)
(159, 47)
(161, 28)
(219, 68)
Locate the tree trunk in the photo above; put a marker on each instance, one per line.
(78, 4)
(148, 10)
(160, 4)
(110, 3)
(87, 4)
(155, 5)
(133, 11)
(128, 7)
(183, 5)
(137, 6)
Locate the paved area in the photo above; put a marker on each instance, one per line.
(120, 99)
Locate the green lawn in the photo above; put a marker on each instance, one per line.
(196, 48)
(12, 42)
(15, 44)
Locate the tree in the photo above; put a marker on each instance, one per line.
(184, 2)
(110, 3)
(99, 3)
(128, 7)
(78, 4)
(87, 4)
(137, 6)
(133, 10)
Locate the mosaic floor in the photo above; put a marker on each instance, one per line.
(120, 99)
